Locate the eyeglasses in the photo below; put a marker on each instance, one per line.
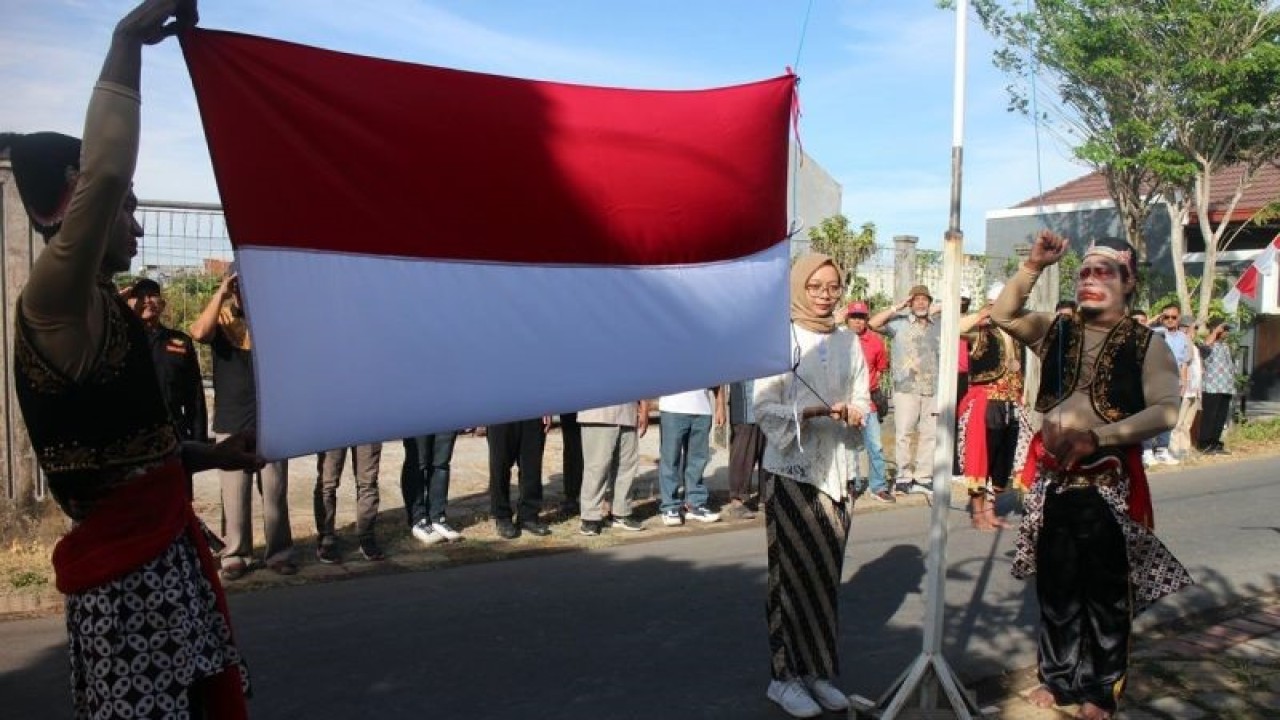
(1169, 317)
(816, 290)
(1101, 272)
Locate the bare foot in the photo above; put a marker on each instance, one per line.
(1041, 698)
(1089, 711)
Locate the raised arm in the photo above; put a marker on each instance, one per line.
(205, 325)
(1009, 310)
(879, 321)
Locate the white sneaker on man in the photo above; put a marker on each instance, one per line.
(424, 534)
(791, 696)
(1165, 457)
(1148, 458)
(921, 486)
(829, 696)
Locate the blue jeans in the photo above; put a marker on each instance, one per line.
(1158, 442)
(687, 436)
(875, 452)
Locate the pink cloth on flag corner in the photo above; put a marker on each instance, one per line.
(431, 249)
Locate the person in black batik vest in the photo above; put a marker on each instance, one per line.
(1087, 528)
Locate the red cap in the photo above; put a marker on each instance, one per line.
(859, 308)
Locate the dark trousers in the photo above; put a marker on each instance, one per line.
(1214, 409)
(1082, 583)
(746, 451)
(521, 444)
(365, 462)
(571, 436)
(1002, 442)
(424, 477)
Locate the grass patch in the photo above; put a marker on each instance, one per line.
(1254, 435)
(27, 536)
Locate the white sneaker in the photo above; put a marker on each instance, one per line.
(444, 530)
(1148, 458)
(791, 696)
(423, 533)
(1165, 457)
(828, 696)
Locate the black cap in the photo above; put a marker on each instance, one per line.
(146, 286)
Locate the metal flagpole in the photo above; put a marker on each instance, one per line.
(930, 671)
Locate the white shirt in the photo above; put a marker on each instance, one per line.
(818, 451)
(694, 402)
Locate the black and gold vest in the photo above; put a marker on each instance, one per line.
(89, 433)
(987, 357)
(1116, 390)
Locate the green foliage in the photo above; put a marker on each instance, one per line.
(25, 579)
(1155, 94)
(1010, 267)
(1244, 316)
(1258, 432)
(877, 302)
(1068, 267)
(834, 236)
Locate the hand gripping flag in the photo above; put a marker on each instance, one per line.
(424, 249)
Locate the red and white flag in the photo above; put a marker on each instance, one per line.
(424, 249)
(1247, 285)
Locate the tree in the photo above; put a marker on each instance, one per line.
(1223, 89)
(1158, 95)
(834, 236)
(1105, 85)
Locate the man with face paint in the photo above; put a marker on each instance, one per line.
(1087, 528)
(148, 630)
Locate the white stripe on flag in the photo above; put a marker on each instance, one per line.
(352, 349)
(1231, 301)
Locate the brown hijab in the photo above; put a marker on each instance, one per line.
(801, 308)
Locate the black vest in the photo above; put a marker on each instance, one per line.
(987, 357)
(1116, 391)
(89, 433)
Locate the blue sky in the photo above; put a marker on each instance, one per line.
(876, 81)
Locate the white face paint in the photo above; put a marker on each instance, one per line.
(1100, 285)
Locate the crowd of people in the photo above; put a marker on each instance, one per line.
(1114, 396)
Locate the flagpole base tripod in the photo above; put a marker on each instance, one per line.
(920, 681)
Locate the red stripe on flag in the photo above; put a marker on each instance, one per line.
(320, 150)
(1248, 283)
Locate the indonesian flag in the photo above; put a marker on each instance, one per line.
(1247, 285)
(424, 249)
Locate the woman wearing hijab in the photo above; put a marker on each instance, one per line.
(810, 418)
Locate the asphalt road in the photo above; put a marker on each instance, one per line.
(669, 628)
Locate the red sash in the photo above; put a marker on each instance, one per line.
(131, 527)
(1139, 499)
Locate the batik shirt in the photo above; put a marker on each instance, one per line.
(1219, 371)
(914, 360)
